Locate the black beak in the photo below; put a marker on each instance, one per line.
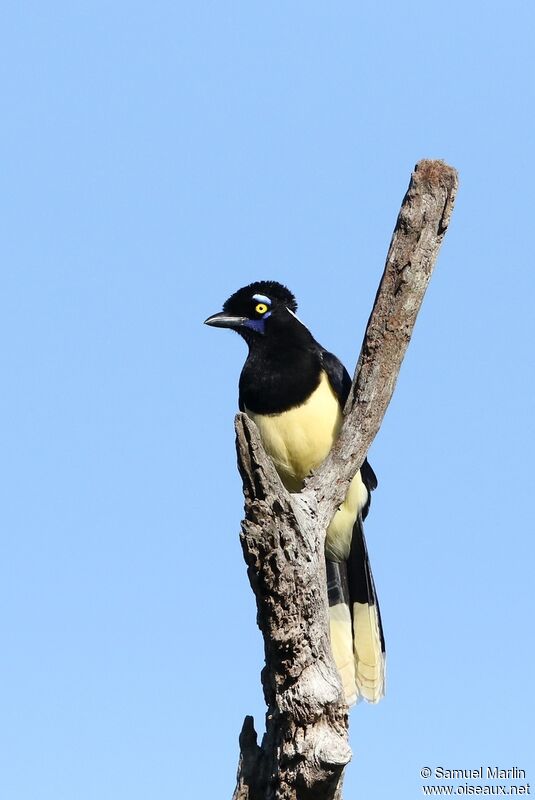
(223, 320)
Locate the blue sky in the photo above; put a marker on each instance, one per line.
(156, 157)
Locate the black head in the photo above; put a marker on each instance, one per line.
(255, 309)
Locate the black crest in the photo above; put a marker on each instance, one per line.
(278, 294)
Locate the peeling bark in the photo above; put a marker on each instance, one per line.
(305, 747)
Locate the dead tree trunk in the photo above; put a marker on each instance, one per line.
(305, 747)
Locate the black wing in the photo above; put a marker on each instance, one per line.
(338, 376)
(341, 382)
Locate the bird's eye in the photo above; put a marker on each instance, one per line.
(261, 308)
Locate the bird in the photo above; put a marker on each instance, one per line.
(295, 391)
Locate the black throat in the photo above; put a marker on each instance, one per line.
(282, 369)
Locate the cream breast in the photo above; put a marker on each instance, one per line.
(299, 439)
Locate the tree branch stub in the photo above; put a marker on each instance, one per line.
(305, 747)
(420, 228)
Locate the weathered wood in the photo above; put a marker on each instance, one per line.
(305, 747)
(306, 728)
(420, 228)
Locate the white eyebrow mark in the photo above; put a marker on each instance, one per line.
(261, 298)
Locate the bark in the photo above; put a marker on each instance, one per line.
(305, 747)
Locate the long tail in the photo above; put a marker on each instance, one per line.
(341, 627)
(357, 637)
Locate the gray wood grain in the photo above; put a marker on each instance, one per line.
(305, 748)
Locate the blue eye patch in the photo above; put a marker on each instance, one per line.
(258, 325)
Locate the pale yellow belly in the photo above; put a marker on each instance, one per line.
(298, 441)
